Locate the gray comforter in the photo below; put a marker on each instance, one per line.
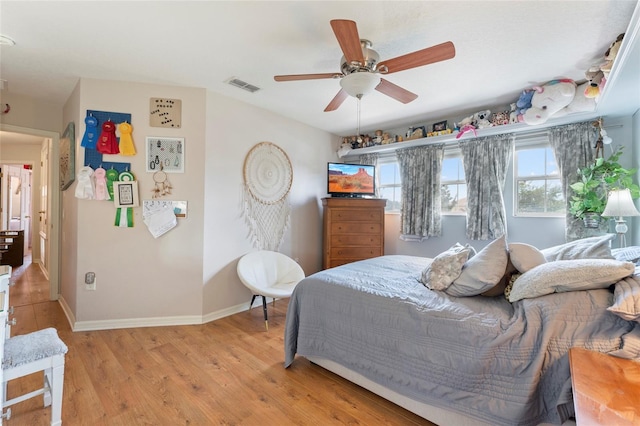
(500, 362)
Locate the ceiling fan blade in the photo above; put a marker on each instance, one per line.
(430, 55)
(396, 92)
(347, 34)
(337, 101)
(294, 77)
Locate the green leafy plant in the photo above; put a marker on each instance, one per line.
(596, 180)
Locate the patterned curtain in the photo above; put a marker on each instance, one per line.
(420, 170)
(485, 168)
(573, 148)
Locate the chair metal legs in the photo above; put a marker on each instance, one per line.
(264, 308)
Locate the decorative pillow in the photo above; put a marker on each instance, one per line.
(569, 275)
(626, 300)
(586, 248)
(502, 284)
(627, 254)
(525, 256)
(445, 267)
(483, 271)
(513, 279)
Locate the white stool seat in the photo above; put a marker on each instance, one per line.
(29, 353)
(26, 348)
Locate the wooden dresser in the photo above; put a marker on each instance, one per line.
(606, 389)
(353, 230)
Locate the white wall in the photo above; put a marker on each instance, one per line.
(233, 128)
(187, 275)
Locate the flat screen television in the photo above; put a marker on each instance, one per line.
(351, 180)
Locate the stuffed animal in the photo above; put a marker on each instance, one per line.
(594, 76)
(481, 119)
(524, 101)
(548, 100)
(465, 122)
(610, 55)
(500, 118)
(580, 102)
(513, 114)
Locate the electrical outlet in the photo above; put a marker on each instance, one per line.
(90, 281)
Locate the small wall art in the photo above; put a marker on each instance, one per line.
(125, 194)
(165, 113)
(68, 156)
(168, 152)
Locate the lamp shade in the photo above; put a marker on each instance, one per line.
(358, 84)
(620, 203)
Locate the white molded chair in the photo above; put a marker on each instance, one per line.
(30, 353)
(269, 274)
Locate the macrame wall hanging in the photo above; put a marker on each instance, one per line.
(267, 181)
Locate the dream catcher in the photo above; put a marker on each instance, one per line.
(267, 179)
(162, 185)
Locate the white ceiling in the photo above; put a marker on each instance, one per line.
(502, 47)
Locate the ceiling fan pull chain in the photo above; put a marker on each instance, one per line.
(358, 138)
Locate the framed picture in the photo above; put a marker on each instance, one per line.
(67, 156)
(166, 154)
(440, 126)
(125, 193)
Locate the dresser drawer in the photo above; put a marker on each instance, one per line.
(348, 240)
(356, 215)
(356, 228)
(355, 253)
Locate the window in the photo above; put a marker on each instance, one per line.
(453, 186)
(538, 191)
(389, 184)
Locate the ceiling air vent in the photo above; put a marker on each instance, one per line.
(242, 85)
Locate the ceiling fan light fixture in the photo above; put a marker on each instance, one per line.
(359, 84)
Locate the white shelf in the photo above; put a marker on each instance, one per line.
(518, 128)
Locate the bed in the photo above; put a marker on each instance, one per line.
(459, 360)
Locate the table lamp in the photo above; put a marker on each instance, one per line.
(620, 204)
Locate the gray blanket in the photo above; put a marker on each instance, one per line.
(500, 362)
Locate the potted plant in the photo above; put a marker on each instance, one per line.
(596, 180)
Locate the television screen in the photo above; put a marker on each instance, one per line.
(351, 180)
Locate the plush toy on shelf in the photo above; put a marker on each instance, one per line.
(580, 102)
(481, 119)
(610, 56)
(524, 102)
(548, 99)
(595, 77)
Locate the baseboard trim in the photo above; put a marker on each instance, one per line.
(148, 322)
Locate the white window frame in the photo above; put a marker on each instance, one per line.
(454, 152)
(533, 142)
(388, 159)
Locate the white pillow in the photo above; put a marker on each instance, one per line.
(483, 271)
(569, 275)
(585, 248)
(525, 256)
(445, 267)
(626, 300)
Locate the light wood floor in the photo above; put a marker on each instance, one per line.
(227, 372)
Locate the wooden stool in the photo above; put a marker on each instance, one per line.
(29, 353)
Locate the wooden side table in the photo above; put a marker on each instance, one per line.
(606, 389)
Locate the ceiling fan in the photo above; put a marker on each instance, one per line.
(360, 68)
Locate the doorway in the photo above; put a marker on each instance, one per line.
(45, 235)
